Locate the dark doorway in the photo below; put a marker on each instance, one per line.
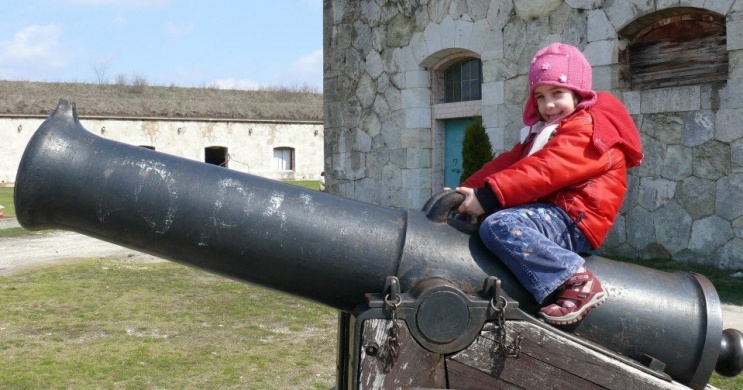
(216, 155)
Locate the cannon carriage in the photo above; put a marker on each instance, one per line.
(422, 303)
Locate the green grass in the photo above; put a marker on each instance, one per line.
(14, 232)
(112, 324)
(116, 324)
(310, 184)
(6, 200)
(724, 383)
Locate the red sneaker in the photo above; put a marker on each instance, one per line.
(576, 297)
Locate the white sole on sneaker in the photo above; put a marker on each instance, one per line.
(576, 316)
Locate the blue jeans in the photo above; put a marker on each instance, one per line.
(539, 243)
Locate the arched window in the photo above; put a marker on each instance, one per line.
(677, 46)
(283, 159)
(463, 81)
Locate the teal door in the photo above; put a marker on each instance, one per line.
(453, 139)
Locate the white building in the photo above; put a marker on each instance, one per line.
(282, 149)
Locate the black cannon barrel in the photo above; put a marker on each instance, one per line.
(331, 249)
(241, 226)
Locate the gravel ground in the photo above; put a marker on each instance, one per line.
(55, 247)
(41, 249)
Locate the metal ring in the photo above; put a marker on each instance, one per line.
(500, 300)
(388, 302)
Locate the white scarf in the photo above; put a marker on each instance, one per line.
(544, 134)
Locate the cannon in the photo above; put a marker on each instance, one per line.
(422, 303)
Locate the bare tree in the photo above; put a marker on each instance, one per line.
(121, 79)
(140, 83)
(100, 69)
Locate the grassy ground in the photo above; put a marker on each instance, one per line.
(171, 101)
(106, 324)
(724, 383)
(6, 200)
(310, 184)
(14, 232)
(114, 324)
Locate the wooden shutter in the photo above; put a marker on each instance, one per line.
(679, 50)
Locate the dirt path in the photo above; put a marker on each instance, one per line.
(58, 246)
(54, 247)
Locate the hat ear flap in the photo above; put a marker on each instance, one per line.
(531, 112)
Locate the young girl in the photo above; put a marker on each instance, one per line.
(557, 193)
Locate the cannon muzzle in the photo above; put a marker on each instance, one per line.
(338, 251)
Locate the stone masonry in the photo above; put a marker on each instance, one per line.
(383, 119)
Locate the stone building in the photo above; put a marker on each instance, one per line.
(402, 77)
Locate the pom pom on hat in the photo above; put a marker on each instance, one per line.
(563, 65)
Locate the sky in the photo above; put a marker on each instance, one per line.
(233, 44)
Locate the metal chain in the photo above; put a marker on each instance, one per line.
(502, 348)
(392, 342)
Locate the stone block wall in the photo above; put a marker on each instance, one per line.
(383, 119)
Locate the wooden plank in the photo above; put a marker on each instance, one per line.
(548, 360)
(415, 366)
(524, 372)
(462, 376)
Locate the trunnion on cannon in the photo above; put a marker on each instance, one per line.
(422, 302)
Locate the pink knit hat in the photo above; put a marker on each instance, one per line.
(561, 65)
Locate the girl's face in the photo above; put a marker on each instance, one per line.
(554, 102)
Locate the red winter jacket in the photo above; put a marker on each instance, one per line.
(569, 171)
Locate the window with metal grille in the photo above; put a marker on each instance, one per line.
(463, 81)
(283, 159)
(675, 47)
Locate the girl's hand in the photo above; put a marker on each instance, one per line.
(470, 205)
